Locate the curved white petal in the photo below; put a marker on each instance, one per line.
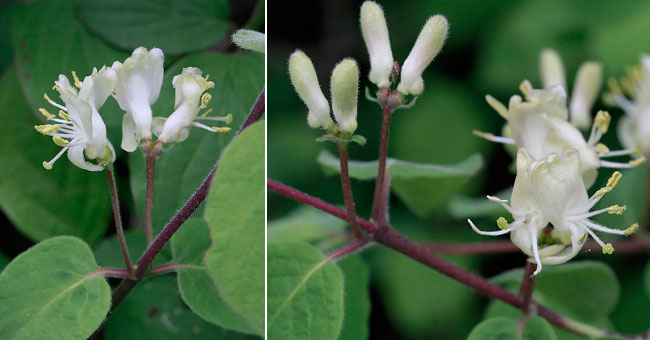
(129, 139)
(76, 156)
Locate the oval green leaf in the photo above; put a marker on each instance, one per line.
(357, 298)
(304, 293)
(51, 292)
(495, 329)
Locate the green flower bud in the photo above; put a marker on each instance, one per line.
(345, 87)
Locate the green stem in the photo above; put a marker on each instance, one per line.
(118, 219)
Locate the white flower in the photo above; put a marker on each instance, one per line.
(426, 47)
(190, 99)
(586, 86)
(540, 125)
(634, 127)
(304, 80)
(549, 202)
(80, 129)
(138, 85)
(375, 34)
(344, 88)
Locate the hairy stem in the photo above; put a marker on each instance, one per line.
(347, 190)
(148, 202)
(346, 250)
(386, 236)
(118, 219)
(380, 200)
(527, 286)
(181, 216)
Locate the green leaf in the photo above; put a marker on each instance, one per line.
(357, 298)
(109, 253)
(50, 292)
(153, 311)
(305, 224)
(235, 214)
(197, 288)
(4, 261)
(249, 40)
(238, 80)
(175, 26)
(585, 290)
(304, 293)
(43, 51)
(495, 329)
(41, 203)
(537, 328)
(408, 178)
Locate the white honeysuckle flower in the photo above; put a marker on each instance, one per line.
(79, 129)
(344, 88)
(551, 68)
(190, 99)
(426, 47)
(634, 127)
(549, 203)
(138, 84)
(539, 124)
(304, 80)
(375, 34)
(589, 80)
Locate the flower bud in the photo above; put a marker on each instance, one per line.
(304, 80)
(344, 88)
(585, 90)
(375, 34)
(426, 47)
(552, 69)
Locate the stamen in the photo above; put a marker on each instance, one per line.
(207, 77)
(616, 165)
(205, 100)
(503, 203)
(526, 87)
(637, 162)
(77, 83)
(223, 129)
(497, 106)
(616, 209)
(502, 223)
(631, 229)
(60, 141)
(207, 112)
(203, 126)
(48, 165)
(56, 88)
(489, 233)
(46, 113)
(602, 121)
(602, 148)
(607, 248)
(53, 102)
(64, 115)
(493, 138)
(613, 179)
(47, 128)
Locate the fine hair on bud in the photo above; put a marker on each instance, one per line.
(344, 89)
(375, 35)
(426, 47)
(304, 80)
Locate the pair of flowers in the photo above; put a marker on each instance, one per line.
(135, 84)
(383, 71)
(556, 165)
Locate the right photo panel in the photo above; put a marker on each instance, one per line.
(458, 170)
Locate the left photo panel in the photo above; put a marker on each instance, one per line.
(132, 169)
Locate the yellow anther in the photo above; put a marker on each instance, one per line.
(64, 115)
(616, 209)
(602, 120)
(205, 100)
(582, 238)
(47, 98)
(210, 85)
(46, 113)
(207, 76)
(60, 141)
(228, 118)
(637, 162)
(46, 129)
(47, 165)
(631, 229)
(77, 83)
(613, 86)
(221, 129)
(613, 180)
(502, 223)
(602, 191)
(608, 249)
(207, 112)
(497, 106)
(602, 148)
(56, 88)
(526, 87)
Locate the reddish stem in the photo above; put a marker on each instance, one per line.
(148, 202)
(527, 287)
(380, 200)
(118, 219)
(346, 250)
(348, 198)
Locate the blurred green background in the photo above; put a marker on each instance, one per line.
(40, 40)
(492, 46)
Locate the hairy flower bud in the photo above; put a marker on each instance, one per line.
(551, 69)
(426, 47)
(344, 88)
(375, 34)
(585, 91)
(304, 80)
